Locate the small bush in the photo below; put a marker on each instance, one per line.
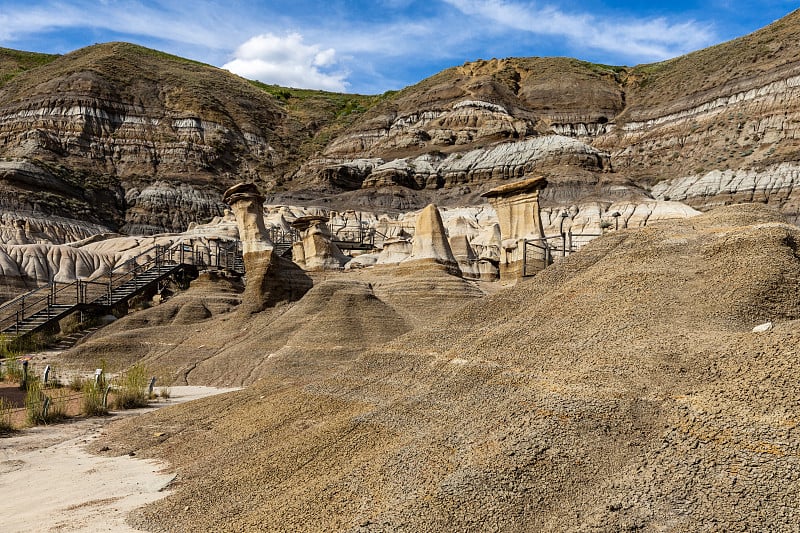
(77, 383)
(35, 401)
(131, 389)
(93, 399)
(165, 392)
(5, 416)
(13, 369)
(41, 408)
(57, 409)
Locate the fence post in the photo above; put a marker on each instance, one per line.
(105, 396)
(524, 257)
(45, 407)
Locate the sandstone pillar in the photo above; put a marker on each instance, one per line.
(430, 245)
(517, 207)
(319, 252)
(269, 279)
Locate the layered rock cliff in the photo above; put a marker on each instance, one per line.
(732, 108)
(133, 140)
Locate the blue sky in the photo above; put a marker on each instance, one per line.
(372, 46)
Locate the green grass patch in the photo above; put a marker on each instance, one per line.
(92, 401)
(130, 391)
(5, 417)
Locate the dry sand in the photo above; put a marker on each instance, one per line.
(50, 482)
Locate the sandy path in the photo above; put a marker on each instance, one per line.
(50, 483)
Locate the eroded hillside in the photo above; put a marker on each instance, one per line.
(141, 141)
(134, 139)
(607, 393)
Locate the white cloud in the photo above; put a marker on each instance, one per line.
(287, 61)
(157, 20)
(655, 38)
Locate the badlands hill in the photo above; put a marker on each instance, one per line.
(608, 393)
(132, 139)
(141, 141)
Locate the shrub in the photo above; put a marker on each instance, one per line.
(41, 408)
(13, 369)
(131, 389)
(165, 392)
(35, 401)
(5, 417)
(93, 399)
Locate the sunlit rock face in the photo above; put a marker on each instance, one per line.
(430, 246)
(118, 137)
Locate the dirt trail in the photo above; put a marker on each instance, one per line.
(50, 482)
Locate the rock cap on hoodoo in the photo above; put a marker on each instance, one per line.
(518, 187)
(240, 191)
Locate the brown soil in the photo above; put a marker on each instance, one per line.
(619, 390)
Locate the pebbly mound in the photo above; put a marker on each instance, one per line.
(622, 389)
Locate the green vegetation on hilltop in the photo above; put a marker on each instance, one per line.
(762, 54)
(323, 113)
(14, 62)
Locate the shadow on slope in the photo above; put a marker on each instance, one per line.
(196, 338)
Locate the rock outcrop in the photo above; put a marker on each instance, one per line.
(776, 185)
(117, 136)
(270, 278)
(430, 246)
(134, 139)
(519, 214)
(316, 250)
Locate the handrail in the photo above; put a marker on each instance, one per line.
(28, 294)
(281, 236)
(100, 289)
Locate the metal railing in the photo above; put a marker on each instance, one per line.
(362, 236)
(537, 254)
(57, 298)
(280, 236)
(347, 234)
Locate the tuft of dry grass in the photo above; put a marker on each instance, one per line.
(131, 388)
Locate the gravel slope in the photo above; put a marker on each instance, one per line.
(620, 390)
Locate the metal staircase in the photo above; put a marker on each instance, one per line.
(44, 306)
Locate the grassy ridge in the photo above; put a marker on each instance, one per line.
(15, 62)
